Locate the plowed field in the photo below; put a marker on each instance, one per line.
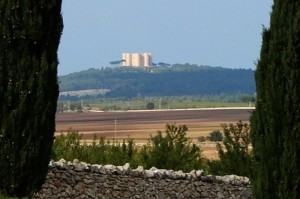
(140, 124)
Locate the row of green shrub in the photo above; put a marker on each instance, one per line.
(170, 149)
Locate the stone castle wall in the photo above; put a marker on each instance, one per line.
(81, 180)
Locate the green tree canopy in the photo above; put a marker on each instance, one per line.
(236, 157)
(172, 150)
(275, 124)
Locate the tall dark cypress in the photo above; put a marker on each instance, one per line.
(275, 123)
(30, 33)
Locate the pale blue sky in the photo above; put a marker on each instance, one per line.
(223, 33)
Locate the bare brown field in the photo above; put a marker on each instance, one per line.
(139, 125)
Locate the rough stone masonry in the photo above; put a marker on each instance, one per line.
(81, 180)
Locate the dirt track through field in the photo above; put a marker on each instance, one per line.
(140, 124)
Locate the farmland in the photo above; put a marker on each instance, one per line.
(139, 125)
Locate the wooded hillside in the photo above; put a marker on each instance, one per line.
(176, 80)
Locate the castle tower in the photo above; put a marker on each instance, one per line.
(147, 59)
(137, 59)
(127, 59)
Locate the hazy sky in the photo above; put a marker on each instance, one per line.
(205, 32)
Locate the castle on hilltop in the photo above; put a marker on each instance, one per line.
(137, 59)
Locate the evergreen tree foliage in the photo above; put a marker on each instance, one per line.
(30, 32)
(275, 124)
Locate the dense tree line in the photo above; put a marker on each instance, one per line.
(176, 80)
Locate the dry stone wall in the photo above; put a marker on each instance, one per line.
(81, 180)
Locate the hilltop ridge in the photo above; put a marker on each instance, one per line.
(176, 80)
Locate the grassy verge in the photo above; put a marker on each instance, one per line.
(159, 103)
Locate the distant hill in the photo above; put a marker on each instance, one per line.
(176, 80)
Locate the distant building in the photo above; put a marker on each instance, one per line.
(137, 59)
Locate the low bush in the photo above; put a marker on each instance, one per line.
(236, 158)
(202, 139)
(172, 150)
(150, 106)
(100, 151)
(215, 136)
(168, 150)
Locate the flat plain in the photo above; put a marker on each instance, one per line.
(139, 125)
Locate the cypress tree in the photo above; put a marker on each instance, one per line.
(275, 124)
(30, 33)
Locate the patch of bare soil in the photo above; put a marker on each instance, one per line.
(139, 125)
